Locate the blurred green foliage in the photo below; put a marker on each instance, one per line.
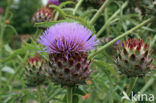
(22, 14)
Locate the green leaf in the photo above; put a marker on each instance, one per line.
(63, 4)
(69, 19)
(8, 49)
(8, 70)
(20, 51)
(78, 91)
(59, 10)
(84, 22)
(51, 23)
(110, 67)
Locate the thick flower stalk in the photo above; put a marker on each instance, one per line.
(68, 45)
(34, 71)
(42, 15)
(134, 58)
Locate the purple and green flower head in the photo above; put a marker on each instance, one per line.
(68, 45)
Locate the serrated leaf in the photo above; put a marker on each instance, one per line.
(84, 22)
(59, 10)
(51, 23)
(63, 4)
(20, 51)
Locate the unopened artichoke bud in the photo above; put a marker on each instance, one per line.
(134, 58)
(35, 71)
(42, 15)
(68, 45)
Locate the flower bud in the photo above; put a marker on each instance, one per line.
(134, 58)
(35, 71)
(42, 15)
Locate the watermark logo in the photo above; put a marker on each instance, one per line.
(138, 97)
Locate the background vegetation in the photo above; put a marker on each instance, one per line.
(19, 42)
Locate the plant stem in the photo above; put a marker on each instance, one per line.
(111, 18)
(56, 16)
(38, 33)
(69, 94)
(2, 33)
(77, 6)
(0, 77)
(119, 37)
(147, 85)
(39, 94)
(2, 26)
(98, 13)
(130, 87)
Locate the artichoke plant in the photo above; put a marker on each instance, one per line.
(68, 45)
(42, 15)
(35, 71)
(134, 58)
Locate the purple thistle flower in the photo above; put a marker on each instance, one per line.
(68, 38)
(68, 45)
(56, 2)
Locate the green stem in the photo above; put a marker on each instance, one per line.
(77, 6)
(119, 37)
(39, 94)
(56, 16)
(106, 18)
(0, 77)
(69, 94)
(147, 85)
(2, 29)
(111, 18)
(98, 13)
(130, 87)
(38, 33)
(5, 17)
